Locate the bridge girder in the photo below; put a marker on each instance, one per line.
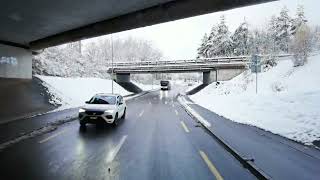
(40, 24)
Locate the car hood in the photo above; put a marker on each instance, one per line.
(99, 107)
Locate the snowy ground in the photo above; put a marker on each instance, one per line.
(287, 103)
(73, 92)
(147, 87)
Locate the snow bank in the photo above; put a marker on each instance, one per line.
(287, 103)
(73, 92)
(147, 87)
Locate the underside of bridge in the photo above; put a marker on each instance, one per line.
(208, 76)
(36, 24)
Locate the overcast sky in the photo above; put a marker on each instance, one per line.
(180, 39)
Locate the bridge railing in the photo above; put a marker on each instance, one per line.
(189, 63)
(184, 62)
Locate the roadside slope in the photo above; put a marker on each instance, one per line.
(22, 98)
(287, 102)
(73, 92)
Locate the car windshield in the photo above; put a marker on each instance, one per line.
(164, 83)
(103, 100)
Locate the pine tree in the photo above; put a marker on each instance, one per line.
(283, 26)
(219, 42)
(299, 20)
(241, 39)
(272, 34)
(202, 50)
(210, 43)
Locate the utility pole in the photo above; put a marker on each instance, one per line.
(256, 79)
(152, 80)
(112, 64)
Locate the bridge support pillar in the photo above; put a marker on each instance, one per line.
(125, 77)
(209, 77)
(15, 62)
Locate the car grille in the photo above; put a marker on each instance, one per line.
(109, 116)
(94, 112)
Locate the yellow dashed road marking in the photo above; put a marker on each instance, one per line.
(211, 167)
(184, 127)
(176, 112)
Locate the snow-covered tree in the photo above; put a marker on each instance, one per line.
(316, 39)
(283, 27)
(299, 20)
(202, 50)
(219, 41)
(272, 35)
(92, 61)
(259, 42)
(241, 40)
(301, 45)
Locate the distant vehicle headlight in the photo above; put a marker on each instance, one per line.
(109, 111)
(81, 110)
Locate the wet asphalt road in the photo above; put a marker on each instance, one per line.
(157, 140)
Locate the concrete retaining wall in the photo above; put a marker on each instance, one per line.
(15, 62)
(220, 75)
(227, 74)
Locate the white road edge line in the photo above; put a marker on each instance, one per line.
(141, 113)
(184, 127)
(184, 103)
(113, 153)
(52, 136)
(176, 112)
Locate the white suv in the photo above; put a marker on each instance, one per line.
(107, 108)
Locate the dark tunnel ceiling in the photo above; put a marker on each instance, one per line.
(39, 24)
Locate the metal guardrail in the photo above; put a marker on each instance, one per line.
(188, 61)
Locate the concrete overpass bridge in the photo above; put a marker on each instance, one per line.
(213, 69)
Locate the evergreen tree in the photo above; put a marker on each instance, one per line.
(241, 39)
(272, 34)
(202, 50)
(299, 20)
(283, 26)
(210, 42)
(220, 43)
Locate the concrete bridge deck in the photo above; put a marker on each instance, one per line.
(178, 66)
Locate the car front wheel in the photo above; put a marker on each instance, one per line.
(115, 122)
(124, 114)
(82, 124)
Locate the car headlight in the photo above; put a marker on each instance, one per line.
(81, 110)
(109, 111)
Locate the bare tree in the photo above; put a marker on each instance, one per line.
(301, 45)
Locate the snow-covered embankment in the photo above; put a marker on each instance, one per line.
(73, 92)
(287, 103)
